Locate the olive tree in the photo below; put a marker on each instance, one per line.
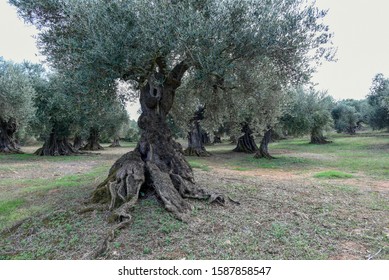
(16, 106)
(346, 118)
(155, 44)
(57, 114)
(378, 98)
(309, 113)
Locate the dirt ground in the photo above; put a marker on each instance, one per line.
(282, 214)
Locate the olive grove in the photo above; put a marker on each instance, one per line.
(157, 45)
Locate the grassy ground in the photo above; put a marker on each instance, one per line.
(312, 202)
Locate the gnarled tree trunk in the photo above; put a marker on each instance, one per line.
(115, 143)
(317, 137)
(157, 165)
(263, 151)
(93, 141)
(56, 145)
(7, 141)
(195, 142)
(196, 136)
(78, 142)
(246, 143)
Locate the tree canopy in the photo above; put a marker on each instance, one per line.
(130, 39)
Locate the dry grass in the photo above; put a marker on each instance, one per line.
(285, 212)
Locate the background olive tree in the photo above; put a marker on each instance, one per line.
(16, 103)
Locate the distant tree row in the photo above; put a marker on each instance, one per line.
(295, 111)
(53, 107)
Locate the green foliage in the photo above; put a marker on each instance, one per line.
(309, 112)
(57, 106)
(348, 115)
(16, 93)
(379, 100)
(131, 131)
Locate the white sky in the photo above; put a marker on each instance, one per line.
(361, 34)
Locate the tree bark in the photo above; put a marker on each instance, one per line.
(263, 151)
(78, 142)
(157, 165)
(246, 143)
(56, 145)
(318, 138)
(7, 142)
(93, 141)
(115, 143)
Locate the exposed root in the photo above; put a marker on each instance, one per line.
(131, 173)
(169, 195)
(92, 147)
(263, 154)
(319, 140)
(92, 208)
(55, 146)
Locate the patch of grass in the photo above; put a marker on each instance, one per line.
(67, 181)
(13, 206)
(332, 174)
(8, 206)
(349, 154)
(169, 225)
(281, 162)
(147, 251)
(17, 157)
(278, 230)
(198, 165)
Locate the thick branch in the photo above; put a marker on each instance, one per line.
(176, 74)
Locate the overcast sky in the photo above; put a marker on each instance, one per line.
(361, 34)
